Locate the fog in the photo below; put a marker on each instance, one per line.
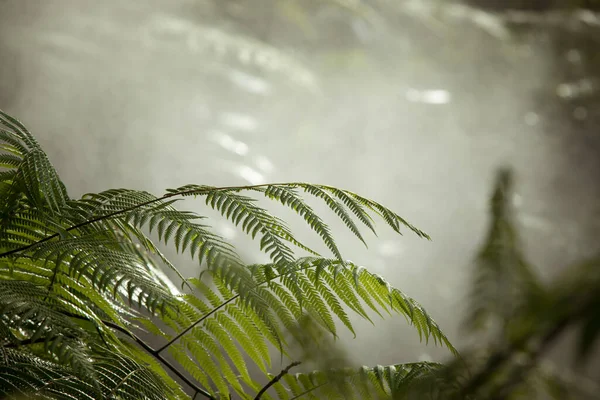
(414, 104)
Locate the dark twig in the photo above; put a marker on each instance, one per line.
(276, 379)
(189, 328)
(149, 350)
(135, 207)
(170, 366)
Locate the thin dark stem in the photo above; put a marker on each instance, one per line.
(153, 352)
(146, 203)
(214, 310)
(129, 375)
(45, 386)
(276, 379)
(148, 349)
(189, 328)
(53, 279)
(142, 344)
(312, 389)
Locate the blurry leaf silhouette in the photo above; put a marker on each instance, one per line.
(517, 319)
(503, 280)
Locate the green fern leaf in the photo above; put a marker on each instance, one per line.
(107, 267)
(340, 211)
(241, 210)
(288, 197)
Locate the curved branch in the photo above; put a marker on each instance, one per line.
(143, 345)
(276, 379)
(153, 352)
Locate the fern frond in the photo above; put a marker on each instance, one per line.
(209, 333)
(145, 210)
(228, 314)
(379, 382)
(18, 131)
(253, 219)
(502, 277)
(28, 379)
(179, 354)
(41, 182)
(289, 197)
(70, 271)
(351, 283)
(391, 218)
(135, 353)
(341, 212)
(43, 326)
(24, 310)
(9, 160)
(107, 267)
(205, 350)
(10, 143)
(20, 228)
(332, 302)
(24, 375)
(235, 206)
(34, 172)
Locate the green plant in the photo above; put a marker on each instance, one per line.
(82, 283)
(82, 291)
(516, 319)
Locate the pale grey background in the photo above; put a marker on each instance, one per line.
(412, 103)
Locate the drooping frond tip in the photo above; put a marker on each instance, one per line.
(254, 220)
(73, 271)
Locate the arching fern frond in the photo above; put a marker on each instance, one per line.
(20, 137)
(237, 312)
(243, 211)
(40, 182)
(350, 284)
(23, 375)
(35, 174)
(71, 270)
(137, 209)
(253, 219)
(289, 197)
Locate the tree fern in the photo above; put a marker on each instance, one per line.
(82, 279)
(532, 316)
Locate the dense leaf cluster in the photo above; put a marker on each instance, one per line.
(82, 280)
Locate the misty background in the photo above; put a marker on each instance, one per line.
(412, 103)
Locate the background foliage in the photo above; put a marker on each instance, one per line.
(82, 281)
(572, 94)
